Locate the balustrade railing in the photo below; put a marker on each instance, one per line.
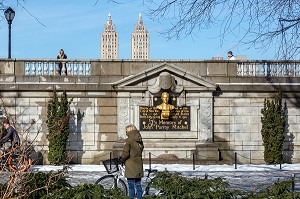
(51, 67)
(269, 68)
(278, 68)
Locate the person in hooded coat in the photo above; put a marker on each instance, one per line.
(132, 157)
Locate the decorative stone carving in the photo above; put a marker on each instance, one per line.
(206, 118)
(181, 100)
(165, 81)
(123, 116)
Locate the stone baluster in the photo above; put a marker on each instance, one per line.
(33, 69)
(75, 69)
(285, 70)
(256, 69)
(245, 69)
(80, 68)
(251, 69)
(27, 68)
(39, 68)
(56, 68)
(52, 71)
(279, 69)
(88, 68)
(274, 69)
(262, 69)
(268, 69)
(292, 70)
(297, 70)
(46, 68)
(63, 69)
(239, 69)
(70, 72)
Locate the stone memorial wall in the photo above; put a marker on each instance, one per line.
(216, 112)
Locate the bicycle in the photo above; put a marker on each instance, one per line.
(118, 180)
(111, 180)
(15, 160)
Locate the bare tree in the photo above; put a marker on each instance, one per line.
(4, 4)
(255, 23)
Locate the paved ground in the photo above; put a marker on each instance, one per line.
(81, 177)
(244, 181)
(241, 180)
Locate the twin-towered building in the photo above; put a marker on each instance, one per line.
(140, 45)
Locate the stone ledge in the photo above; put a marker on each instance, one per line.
(184, 161)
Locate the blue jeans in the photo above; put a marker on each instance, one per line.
(135, 187)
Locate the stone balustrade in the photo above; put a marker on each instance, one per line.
(269, 68)
(51, 67)
(279, 68)
(89, 67)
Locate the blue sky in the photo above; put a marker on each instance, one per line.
(76, 25)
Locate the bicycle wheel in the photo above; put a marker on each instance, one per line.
(108, 182)
(18, 163)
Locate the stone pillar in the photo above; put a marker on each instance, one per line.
(123, 110)
(205, 119)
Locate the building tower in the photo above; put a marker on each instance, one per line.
(140, 44)
(109, 46)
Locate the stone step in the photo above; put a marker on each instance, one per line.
(177, 151)
(184, 161)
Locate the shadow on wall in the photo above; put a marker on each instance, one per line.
(288, 145)
(75, 141)
(36, 156)
(225, 153)
(288, 148)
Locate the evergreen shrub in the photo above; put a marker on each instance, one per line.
(58, 115)
(273, 127)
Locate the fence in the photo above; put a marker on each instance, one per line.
(240, 180)
(193, 159)
(51, 68)
(250, 68)
(269, 68)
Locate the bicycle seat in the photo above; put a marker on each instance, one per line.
(151, 170)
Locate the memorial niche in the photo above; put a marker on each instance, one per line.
(165, 115)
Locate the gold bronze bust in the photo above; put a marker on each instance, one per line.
(165, 107)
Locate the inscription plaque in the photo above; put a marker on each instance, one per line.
(150, 119)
